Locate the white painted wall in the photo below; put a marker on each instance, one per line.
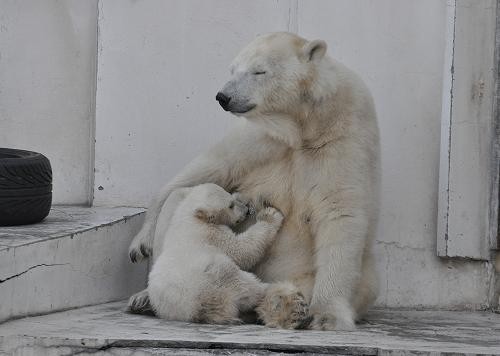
(467, 213)
(47, 87)
(160, 64)
(398, 48)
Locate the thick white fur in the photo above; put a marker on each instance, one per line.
(310, 146)
(198, 276)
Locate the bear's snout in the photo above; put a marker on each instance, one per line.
(223, 100)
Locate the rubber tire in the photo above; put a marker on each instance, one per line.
(25, 187)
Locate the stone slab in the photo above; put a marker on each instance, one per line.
(107, 329)
(64, 220)
(77, 256)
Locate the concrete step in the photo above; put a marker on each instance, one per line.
(107, 330)
(77, 256)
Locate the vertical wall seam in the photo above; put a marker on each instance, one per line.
(93, 110)
(494, 220)
(450, 127)
(445, 142)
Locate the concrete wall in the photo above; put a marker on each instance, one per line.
(160, 64)
(47, 87)
(398, 49)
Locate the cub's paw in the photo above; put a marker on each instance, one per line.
(139, 303)
(284, 307)
(139, 249)
(270, 215)
(246, 201)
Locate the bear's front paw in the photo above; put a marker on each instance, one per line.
(271, 215)
(332, 319)
(139, 249)
(284, 307)
(330, 322)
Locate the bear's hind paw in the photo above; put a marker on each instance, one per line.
(284, 307)
(139, 303)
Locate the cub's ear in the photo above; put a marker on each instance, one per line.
(313, 51)
(204, 216)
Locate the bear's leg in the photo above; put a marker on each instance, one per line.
(247, 248)
(139, 303)
(284, 306)
(142, 244)
(218, 307)
(340, 242)
(251, 291)
(222, 315)
(242, 293)
(367, 290)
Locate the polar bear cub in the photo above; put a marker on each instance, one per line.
(200, 274)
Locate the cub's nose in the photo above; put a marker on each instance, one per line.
(223, 100)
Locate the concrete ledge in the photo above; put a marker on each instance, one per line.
(77, 256)
(106, 329)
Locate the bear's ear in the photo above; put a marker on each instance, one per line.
(204, 216)
(314, 50)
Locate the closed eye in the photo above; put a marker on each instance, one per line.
(259, 72)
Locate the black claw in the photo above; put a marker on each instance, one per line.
(140, 305)
(304, 323)
(133, 256)
(144, 250)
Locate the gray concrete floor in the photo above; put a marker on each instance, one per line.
(107, 329)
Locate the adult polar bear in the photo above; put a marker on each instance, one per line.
(310, 147)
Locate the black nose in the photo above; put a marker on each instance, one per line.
(223, 100)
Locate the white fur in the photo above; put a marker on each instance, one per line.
(198, 275)
(311, 148)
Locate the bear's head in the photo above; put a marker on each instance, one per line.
(272, 75)
(211, 204)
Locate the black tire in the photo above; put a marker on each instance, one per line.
(25, 187)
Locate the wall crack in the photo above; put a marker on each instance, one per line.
(29, 269)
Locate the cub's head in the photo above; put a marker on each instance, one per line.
(271, 75)
(212, 204)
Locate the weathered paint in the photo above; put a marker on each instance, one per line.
(469, 162)
(47, 87)
(398, 48)
(77, 256)
(163, 112)
(160, 65)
